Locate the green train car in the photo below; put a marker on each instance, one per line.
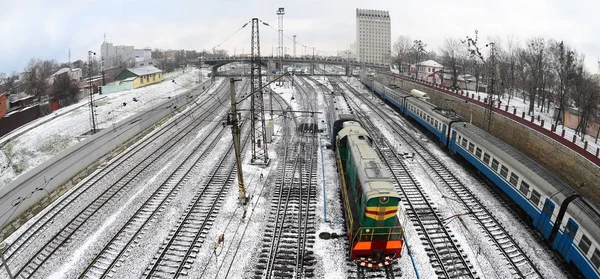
(371, 202)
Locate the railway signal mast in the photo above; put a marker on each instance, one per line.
(92, 109)
(258, 132)
(232, 120)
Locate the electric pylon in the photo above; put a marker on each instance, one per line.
(259, 137)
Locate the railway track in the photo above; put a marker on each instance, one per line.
(517, 260)
(353, 270)
(53, 238)
(446, 256)
(130, 233)
(286, 249)
(179, 250)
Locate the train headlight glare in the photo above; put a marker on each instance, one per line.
(384, 200)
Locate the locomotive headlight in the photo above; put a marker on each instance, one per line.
(384, 200)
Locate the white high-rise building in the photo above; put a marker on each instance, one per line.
(373, 36)
(115, 56)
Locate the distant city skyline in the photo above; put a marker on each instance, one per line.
(46, 30)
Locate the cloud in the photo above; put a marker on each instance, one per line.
(47, 29)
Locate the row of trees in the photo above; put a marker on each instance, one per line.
(35, 80)
(547, 72)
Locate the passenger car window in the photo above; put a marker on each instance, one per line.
(504, 171)
(514, 179)
(524, 188)
(486, 158)
(495, 164)
(584, 244)
(464, 143)
(596, 259)
(535, 197)
(478, 152)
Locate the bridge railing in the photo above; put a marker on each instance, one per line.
(246, 58)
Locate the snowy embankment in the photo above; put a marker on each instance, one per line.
(519, 104)
(36, 143)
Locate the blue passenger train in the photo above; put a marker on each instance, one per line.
(569, 222)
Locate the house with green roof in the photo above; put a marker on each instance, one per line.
(141, 76)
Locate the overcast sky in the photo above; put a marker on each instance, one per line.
(47, 29)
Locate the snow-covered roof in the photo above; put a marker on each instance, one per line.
(65, 70)
(145, 70)
(18, 97)
(431, 63)
(466, 78)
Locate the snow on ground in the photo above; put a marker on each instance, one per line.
(65, 127)
(521, 104)
(102, 229)
(233, 259)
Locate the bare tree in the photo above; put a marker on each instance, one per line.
(564, 67)
(35, 83)
(452, 55)
(490, 67)
(534, 59)
(64, 90)
(419, 51)
(401, 51)
(586, 96)
(511, 59)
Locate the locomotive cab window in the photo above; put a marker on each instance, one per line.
(584, 244)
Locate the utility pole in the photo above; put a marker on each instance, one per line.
(280, 13)
(294, 45)
(92, 112)
(258, 133)
(232, 120)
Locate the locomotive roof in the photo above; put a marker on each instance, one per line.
(375, 178)
(515, 156)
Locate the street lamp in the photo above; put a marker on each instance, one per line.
(92, 112)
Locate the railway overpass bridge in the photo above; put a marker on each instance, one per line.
(272, 62)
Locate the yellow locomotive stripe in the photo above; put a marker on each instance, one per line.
(384, 208)
(380, 217)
